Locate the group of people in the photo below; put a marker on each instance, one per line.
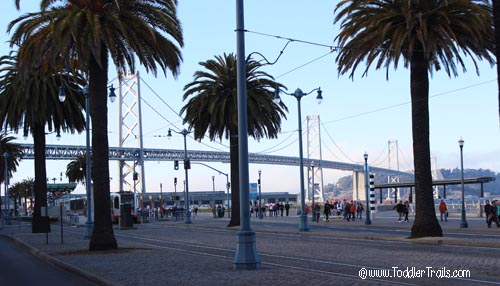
(403, 209)
(348, 210)
(492, 212)
(274, 209)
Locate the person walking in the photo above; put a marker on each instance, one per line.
(360, 210)
(491, 214)
(326, 211)
(443, 210)
(287, 208)
(400, 207)
(317, 211)
(406, 210)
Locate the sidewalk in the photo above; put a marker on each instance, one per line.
(132, 262)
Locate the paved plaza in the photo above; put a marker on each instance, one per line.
(331, 253)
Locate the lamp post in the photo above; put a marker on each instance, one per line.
(213, 197)
(187, 166)
(161, 200)
(298, 94)
(246, 257)
(367, 196)
(463, 223)
(313, 212)
(6, 186)
(260, 196)
(88, 177)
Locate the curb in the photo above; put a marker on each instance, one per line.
(60, 264)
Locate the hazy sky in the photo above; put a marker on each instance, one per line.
(357, 115)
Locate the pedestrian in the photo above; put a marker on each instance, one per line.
(347, 210)
(360, 210)
(317, 211)
(287, 208)
(406, 210)
(353, 210)
(443, 210)
(281, 208)
(491, 214)
(326, 211)
(400, 207)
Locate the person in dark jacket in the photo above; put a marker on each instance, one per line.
(400, 209)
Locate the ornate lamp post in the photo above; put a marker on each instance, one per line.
(261, 216)
(213, 197)
(463, 223)
(187, 166)
(298, 94)
(6, 186)
(313, 211)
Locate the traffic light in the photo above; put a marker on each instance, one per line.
(176, 164)
(175, 181)
(187, 164)
(136, 176)
(258, 182)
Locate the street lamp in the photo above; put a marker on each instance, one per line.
(187, 166)
(298, 94)
(6, 186)
(313, 212)
(463, 223)
(367, 218)
(260, 196)
(88, 177)
(213, 197)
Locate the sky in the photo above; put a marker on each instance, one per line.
(357, 115)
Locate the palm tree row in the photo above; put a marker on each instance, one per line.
(67, 39)
(89, 33)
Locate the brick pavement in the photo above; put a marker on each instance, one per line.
(137, 265)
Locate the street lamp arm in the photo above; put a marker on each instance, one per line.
(298, 93)
(220, 172)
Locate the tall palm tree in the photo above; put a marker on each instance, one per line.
(496, 22)
(425, 36)
(15, 154)
(212, 109)
(93, 32)
(30, 103)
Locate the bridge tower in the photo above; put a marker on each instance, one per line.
(313, 153)
(131, 174)
(393, 192)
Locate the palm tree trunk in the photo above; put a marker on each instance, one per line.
(425, 223)
(102, 235)
(40, 224)
(496, 20)
(235, 180)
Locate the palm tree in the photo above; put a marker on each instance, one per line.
(15, 153)
(75, 170)
(29, 103)
(496, 21)
(213, 110)
(92, 32)
(426, 36)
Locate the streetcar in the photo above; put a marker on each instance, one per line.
(117, 201)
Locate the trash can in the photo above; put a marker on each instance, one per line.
(126, 219)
